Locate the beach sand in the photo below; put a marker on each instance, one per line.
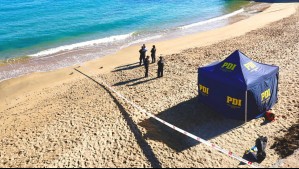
(65, 118)
(290, 162)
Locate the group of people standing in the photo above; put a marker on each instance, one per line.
(146, 62)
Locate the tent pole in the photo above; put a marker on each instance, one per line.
(246, 107)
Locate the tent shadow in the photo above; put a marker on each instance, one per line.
(190, 116)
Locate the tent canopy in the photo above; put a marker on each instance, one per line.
(241, 71)
(236, 85)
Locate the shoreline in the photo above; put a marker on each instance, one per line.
(69, 55)
(89, 40)
(130, 54)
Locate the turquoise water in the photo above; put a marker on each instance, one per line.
(29, 27)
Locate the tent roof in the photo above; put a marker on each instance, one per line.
(240, 71)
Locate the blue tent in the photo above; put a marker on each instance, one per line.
(238, 87)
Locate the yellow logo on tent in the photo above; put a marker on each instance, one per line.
(233, 102)
(204, 90)
(250, 66)
(228, 66)
(266, 95)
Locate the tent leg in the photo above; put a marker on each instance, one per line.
(246, 107)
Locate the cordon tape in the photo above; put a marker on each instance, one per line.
(226, 152)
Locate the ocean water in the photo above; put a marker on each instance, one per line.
(70, 31)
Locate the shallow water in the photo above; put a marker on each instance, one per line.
(57, 34)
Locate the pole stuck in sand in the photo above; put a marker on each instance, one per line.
(246, 106)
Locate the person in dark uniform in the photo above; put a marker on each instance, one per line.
(153, 54)
(142, 52)
(160, 67)
(141, 56)
(146, 65)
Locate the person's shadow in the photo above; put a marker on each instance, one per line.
(191, 116)
(126, 67)
(127, 82)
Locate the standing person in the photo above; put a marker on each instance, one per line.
(160, 67)
(140, 57)
(153, 51)
(146, 65)
(142, 52)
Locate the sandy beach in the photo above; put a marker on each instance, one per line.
(65, 118)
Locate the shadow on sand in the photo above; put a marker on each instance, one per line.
(141, 82)
(128, 81)
(145, 147)
(192, 117)
(127, 67)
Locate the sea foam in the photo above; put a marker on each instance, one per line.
(213, 19)
(82, 45)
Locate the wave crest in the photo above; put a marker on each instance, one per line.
(81, 45)
(213, 19)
